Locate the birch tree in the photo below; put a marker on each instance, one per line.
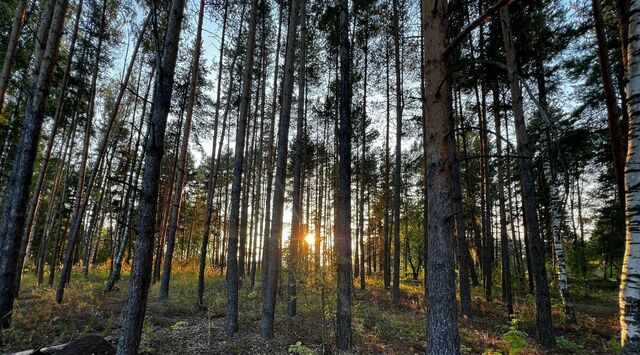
(630, 280)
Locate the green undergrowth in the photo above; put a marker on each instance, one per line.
(378, 325)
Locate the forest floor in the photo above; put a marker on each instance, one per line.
(179, 326)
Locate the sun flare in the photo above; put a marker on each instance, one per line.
(310, 239)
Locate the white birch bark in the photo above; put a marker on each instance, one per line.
(556, 229)
(630, 284)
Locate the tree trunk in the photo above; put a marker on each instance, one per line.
(214, 165)
(234, 219)
(34, 203)
(135, 308)
(556, 204)
(258, 219)
(630, 280)
(273, 264)
(12, 49)
(363, 182)
(463, 254)
(50, 220)
(504, 238)
(296, 217)
(486, 201)
(343, 201)
(17, 191)
(397, 199)
(615, 133)
(544, 323)
(182, 158)
(442, 329)
(386, 258)
(270, 160)
(78, 208)
(117, 264)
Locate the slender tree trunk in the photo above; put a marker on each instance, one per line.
(544, 323)
(463, 248)
(12, 49)
(34, 203)
(556, 204)
(182, 158)
(487, 235)
(397, 198)
(167, 195)
(296, 217)
(273, 264)
(82, 197)
(386, 259)
(463, 156)
(50, 220)
(259, 220)
(504, 238)
(442, 330)
(363, 181)
(234, 220)
(17, 191)
(617, 145)
(135, 308)
(343, 202)
(80, 194)
(117, 268)
(214, 166)
(630, 281)
(62, 224)
(270, 160)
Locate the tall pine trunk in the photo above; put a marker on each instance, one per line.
(343, 196)
(397, 180)
(182, 159)
(213, 165)
(238, 165)
(363, 160)
(544, 322)
(464, 257)
(17, 191)
(34, 202)
(81, 195)
(136, 305)
(12, 49)
(270, 160)
(114, 276)
(442, 329)
(296, 217)
(273, 263)
(504, 238)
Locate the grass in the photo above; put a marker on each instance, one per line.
(178, 325)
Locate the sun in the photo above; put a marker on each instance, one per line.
(310, 239)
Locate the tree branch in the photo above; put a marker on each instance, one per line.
(475, 23)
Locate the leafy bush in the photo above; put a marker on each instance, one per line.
(516, 339)
(298, 348)
(179, 325)
(614, 345)
(567, 345)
